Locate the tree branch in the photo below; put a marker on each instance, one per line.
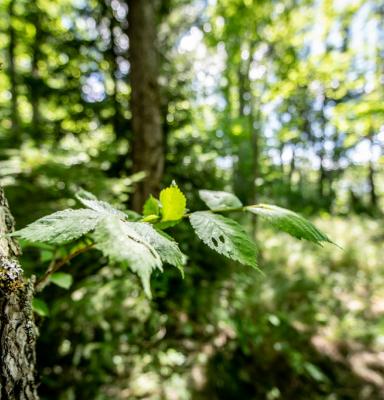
(55, 265)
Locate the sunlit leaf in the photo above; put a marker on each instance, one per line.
(219, 200)
(60, 227)
(122, 244)
(173, 203)
(225, 236)
(289, 222)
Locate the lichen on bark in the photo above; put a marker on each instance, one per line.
(17, 327)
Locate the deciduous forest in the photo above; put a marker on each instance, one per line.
(191, 199)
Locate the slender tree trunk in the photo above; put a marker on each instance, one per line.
(148, 141)
(254, 126)
(17, 328)
(112, 58)
(321, 178)
(292, 168)
(371, 179)
(12, 70)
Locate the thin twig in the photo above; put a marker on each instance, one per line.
(218, 210)
(55, 265)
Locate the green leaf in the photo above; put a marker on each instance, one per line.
(166, 247)
(122, 244)
(173, 203)
(150, 218)
(315, 372)
(151, 207)
(40, 307)
(60, 227)
(46, 255)
(217, 200)
(62, 279)
(225, 236)
(289, 222)
(132, 215)
(89, 200)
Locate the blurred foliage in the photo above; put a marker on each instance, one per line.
(279, 100)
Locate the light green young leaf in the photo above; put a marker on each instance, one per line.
(225, 236)
(117, 240)
(217, 200)
(166, 247)
(151, 207)
(173, 203)
(60, 227)
(62, 279)
(40, 307)
(289, 222)
(90, 200)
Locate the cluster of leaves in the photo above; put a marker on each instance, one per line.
(139, 241)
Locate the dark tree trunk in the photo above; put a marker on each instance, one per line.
(292, 168)
(112, 58)
(12, 70)
(371, 179)
(255, 145)
(322, 177)
(148, 141)
(17, 327)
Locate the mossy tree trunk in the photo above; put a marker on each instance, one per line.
(17, 328)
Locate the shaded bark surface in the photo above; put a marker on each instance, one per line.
(17, 328)
(148, 146)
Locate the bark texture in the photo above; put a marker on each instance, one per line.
(148, 141)
(17, 328)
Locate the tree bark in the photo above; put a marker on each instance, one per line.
(17, 327)
(148, 141)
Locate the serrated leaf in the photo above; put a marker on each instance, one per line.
(60, 227)
(151, 207)
(117, 240)
(289, 222)
(173, 203)
(40, 307)
(89, 200)
(217, 200)
(166, 247)
(62, 279)
(225, 236)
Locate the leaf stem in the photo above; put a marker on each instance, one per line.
(55, 265)
(219, 210)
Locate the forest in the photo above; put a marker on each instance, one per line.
(191, 199)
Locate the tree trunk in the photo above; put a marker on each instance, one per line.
(148, 141)
(12, 70)
(371, 178)
(17, 327)
(321, 178)
(292, 168)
